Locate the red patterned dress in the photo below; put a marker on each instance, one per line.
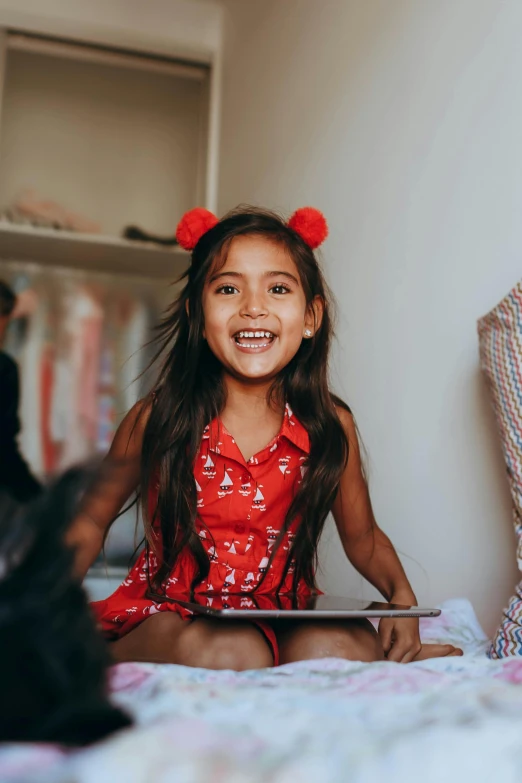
(241, 507)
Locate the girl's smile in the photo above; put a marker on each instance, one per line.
(256, 341)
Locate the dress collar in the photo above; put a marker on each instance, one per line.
(221, 441)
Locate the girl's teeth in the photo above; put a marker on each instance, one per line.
(256, 334)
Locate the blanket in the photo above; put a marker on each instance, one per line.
(321, 721)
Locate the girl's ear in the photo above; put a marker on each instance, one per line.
(313, 317)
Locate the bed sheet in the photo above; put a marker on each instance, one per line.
(314, 722)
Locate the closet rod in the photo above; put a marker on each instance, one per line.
(101, 56)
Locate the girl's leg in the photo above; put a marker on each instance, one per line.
(354, 640)
(209, 644)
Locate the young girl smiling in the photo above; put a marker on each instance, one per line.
(238, 455)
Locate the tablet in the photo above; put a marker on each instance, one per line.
(317, 607)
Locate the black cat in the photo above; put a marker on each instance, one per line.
(53, 661)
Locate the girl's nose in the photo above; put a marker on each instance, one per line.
(253, 306)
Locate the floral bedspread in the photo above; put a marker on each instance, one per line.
(453, 719)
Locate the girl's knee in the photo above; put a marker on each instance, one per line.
(353, 642)
(164, 625)
(153, 640)
(369, 643)
(359, 642)
(209, 648)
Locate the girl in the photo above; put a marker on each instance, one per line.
(239, 453)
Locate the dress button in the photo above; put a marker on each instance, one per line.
(240, 528)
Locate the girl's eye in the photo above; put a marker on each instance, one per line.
(226, 289)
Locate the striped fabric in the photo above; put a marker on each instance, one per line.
(508, 639)
(500, 342)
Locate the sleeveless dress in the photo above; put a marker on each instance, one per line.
(241, 508)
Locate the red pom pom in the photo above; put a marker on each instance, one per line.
(311, 226)
(193, 225)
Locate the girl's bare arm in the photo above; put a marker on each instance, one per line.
(368, 548)
(118, 480)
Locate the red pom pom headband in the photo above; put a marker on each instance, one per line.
(308, 222)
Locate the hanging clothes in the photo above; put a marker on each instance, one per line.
(81, 359)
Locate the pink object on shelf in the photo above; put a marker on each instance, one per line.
(45, 212)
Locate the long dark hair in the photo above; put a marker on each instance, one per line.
(190, 393)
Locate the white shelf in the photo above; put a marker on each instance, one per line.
(90, 252)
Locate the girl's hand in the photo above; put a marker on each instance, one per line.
(400, 638)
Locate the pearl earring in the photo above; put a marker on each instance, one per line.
(307, 333)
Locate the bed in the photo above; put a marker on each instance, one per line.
(313, 722)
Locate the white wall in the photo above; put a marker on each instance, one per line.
(403, 121)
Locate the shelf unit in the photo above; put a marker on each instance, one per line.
(120, 137)
(166, 83)
(90, 252)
